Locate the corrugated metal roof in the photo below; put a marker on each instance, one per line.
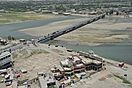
(4, 54)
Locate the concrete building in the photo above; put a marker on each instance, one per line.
(3, 42)
(66, 63)
(23, 86)
(76, 60)
(46, 81)
(68, 71)
(79, 68)
(58, 72)
(5, 59)
(92, 64)
(76, 64)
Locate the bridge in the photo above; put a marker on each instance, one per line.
(58, 33)
(55, 34)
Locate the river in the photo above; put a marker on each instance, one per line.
(12, 29)
(119, 51)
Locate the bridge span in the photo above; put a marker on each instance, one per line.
(55, 34)
(58, 33)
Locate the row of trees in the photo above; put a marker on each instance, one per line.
(11, 38)
(62, 4)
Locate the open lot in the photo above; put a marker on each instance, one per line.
(42, 58)
(38, 59)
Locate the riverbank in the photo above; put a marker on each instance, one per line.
(13, 29)
(114, 51)
(103, 36)
(16, 17)
(46, 29)
(49, 56)
(109, 30)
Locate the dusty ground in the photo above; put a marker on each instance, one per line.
(44, 30)
(38, 59)
(42, 58)
(112, 77)
(103, 31)
(107, 78)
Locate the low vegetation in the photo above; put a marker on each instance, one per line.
(26, 53)
(124, 80)
(33, 52)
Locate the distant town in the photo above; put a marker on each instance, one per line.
(65, 44)
(64, 5)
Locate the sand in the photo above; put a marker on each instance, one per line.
(42, 62)
(16, 17)
(103, 31)
(44, 30)
(33, 61)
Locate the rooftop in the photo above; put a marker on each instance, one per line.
(4, 54)
(79, 65)
(96, 62)
(65, 68)
(76, 58)
(65, 62)
(86, 60)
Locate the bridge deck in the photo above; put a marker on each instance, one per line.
(58, 33)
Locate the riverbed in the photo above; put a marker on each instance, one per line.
(13, 29)
(116, 51)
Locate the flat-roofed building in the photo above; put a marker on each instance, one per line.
(97, 65)
(66, 63)
(76, 60)
(46, 81)
(5, 59)
(79, 68)
(23, 86)
(68, 71)
(58, 72)
(67, 67)
(3, 42)
(91, 64)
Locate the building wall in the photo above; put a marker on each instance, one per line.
(5, 60)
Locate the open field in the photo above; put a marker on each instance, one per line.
(37, 59)
(13, 17)
(109, 30)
